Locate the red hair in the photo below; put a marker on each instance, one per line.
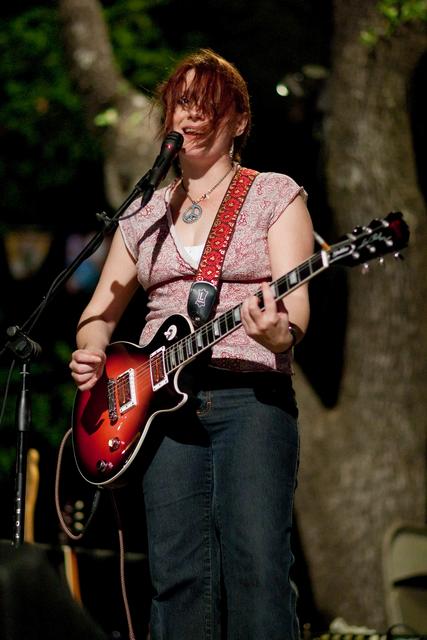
(217, 87)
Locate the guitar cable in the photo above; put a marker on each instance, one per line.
(80, 535)
(95, 501)
(122, 566)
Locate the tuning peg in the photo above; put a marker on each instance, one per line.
(398, 256)
(365, 268)
(381, 260)
(371, 249)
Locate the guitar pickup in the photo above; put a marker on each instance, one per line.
(112, 412)
(158, 369)
(125, 390)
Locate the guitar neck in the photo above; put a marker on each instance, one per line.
(188, 348)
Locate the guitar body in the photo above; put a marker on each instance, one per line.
(111, 420)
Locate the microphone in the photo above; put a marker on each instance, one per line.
(169, 149)
(21, 344)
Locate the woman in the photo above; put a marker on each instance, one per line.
(219, 488)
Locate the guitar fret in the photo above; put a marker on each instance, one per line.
(198, 344)
(223, 326)
(231, 324)
(193, 346)
(283, 285)
(222, 323)
(216, 329)
(297, 276)
(199, 340)
(305, 271)
(181, 352)
(204, 337)
(317, 262)
(292, 278)
(168, 361)
(189, 346)
(210, 333)
(178, 353)
(213, 331)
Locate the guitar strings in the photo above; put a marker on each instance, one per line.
(180, 347)
(204, 331)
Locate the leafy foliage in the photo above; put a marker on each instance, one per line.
(395, 13)
(42, 124)
(40, 113)
(138, 43)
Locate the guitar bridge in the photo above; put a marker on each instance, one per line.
(158, 369)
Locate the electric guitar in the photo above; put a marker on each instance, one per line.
(111, 421)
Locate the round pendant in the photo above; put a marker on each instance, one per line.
(192, 214)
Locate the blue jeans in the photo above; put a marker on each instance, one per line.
(219, 497)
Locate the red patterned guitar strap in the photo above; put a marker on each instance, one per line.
(203, 292)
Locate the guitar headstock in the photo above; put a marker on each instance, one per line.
(381, 236)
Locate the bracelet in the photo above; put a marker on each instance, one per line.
(293, 333)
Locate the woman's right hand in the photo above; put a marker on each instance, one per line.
(87, 367)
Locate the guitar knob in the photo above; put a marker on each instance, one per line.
(103, 465)
(114, 443)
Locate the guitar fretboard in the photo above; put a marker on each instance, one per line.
(215, 330)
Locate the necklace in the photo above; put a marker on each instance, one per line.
(194, 211)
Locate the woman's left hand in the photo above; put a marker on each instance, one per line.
(268, 326)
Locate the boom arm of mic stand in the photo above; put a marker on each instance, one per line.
(110, 225)
(23, 348)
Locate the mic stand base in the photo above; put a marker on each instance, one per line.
(23, 420)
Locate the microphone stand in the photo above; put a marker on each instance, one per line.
(25, 349)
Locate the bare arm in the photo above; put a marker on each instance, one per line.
(116, 286)
(290, 242)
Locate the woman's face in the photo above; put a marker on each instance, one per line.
(194, 122)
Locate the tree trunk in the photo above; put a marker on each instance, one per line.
(129, 141)
(363, 462)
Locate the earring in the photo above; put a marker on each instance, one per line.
(231, 152)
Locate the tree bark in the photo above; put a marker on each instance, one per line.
(129, 141)
(363, 462)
